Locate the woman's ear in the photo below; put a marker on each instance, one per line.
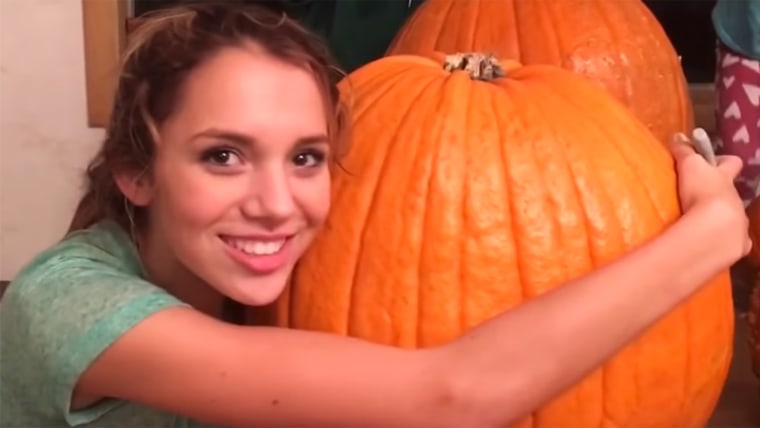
(136, 187)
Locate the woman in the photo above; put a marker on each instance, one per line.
(737, 25)
(212, 181)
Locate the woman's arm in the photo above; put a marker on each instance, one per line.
(185, 362)
(560, 337)
(188, 363)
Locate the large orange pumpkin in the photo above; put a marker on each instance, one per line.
(617, 43)
(462, 198)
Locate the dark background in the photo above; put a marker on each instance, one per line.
(359, 31)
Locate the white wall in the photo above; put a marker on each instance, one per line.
(45, 142)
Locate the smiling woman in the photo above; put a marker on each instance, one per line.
(211, 182)
(230, 133)
(219, 188)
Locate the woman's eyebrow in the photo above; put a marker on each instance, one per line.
(244, 139)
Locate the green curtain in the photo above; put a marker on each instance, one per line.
(357, 31)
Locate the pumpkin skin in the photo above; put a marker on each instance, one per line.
(460, 199)
(618, 44)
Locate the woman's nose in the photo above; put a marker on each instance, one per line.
(270, 197)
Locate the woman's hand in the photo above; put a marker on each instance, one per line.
(708, 191)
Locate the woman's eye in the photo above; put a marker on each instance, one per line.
(309, 159)
(222, 157)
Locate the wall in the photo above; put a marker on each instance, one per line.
(45, 142)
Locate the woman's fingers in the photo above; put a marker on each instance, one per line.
(730, 165)
(680, 147)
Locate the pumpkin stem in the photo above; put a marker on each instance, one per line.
(479, 66)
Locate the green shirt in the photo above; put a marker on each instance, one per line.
(62, 310)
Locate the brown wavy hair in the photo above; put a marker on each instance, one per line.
(162, 51)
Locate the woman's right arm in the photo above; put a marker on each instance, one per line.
(185, 362)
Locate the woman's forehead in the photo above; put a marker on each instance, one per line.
(239, 90)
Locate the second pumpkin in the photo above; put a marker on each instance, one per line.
(618, 44)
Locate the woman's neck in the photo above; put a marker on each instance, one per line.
(164, 270)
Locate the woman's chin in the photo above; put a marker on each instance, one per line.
(257, 291)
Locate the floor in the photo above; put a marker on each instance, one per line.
(739, 406)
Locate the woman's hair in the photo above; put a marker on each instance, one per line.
(162, 51)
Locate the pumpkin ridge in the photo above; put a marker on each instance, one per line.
(467, 31)
(624, 229)
(559, 142)
(428, 166)
(360, 109)
(442, 24)
(589, 172)
(474, 179)
(523, 92)
(339, 304)
(533, 116)
(605, 203)
(554, 24)
(420, 250)
(489, 225)
(610, 24)
(477, 22)
(463, 283)
(653, 151)
(518, 36)
(444, 225)
(376, 188)
(506, 170)
(687, 387)
(377, 79)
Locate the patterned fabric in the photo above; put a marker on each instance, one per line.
(737, 87)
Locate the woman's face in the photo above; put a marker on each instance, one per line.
(240, 184)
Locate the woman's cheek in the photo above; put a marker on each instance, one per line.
(206, 197)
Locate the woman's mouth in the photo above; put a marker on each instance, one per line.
(259, 255)
(255, 247)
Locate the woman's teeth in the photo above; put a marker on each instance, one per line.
(257, 248)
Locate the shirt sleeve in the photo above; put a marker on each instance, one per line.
(58, 316)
